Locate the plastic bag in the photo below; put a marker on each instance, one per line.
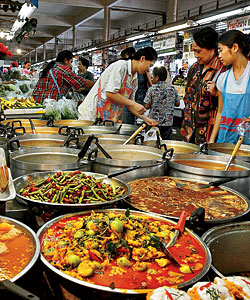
(52, 111)
(151, 135)
(243, 128)
(68, 108)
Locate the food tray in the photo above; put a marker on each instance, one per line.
(35, 113)
(10, 193)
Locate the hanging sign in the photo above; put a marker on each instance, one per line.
(238, 23)
(166, 45)
(142, 44)
(34, 2)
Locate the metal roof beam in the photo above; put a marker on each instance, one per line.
(55, 21)
(82, 3)
(138, 10)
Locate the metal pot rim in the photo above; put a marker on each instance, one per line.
(62, 205)
(210, 222)
(36, 246)
(124, 163)
(209, 172)
(46, 150)
(116, 290)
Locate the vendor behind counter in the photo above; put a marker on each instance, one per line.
(57, 78)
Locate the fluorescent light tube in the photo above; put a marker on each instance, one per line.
(175, 28)
(137, 37)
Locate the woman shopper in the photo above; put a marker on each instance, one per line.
(200, 95)
(116, 88)
(57, 78)
(233, 87)
(83, 65)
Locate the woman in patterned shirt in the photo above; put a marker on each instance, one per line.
(57, 78)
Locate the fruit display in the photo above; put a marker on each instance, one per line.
(15, 103)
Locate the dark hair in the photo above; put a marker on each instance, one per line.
(235, 37)
(65, 54)
(130, 51)
(26, 62)
(84, 62)
(181, 72)
(148, 52)
(206, 38)
(161, 72)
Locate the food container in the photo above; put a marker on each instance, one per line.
(126, 129)
(72, 123)
(38, 140)
(112, 288)
(24, 122)
(197, 168)
(36, 245)
(32, 160)
(25, 180)
(227, 149)
(169, 196)
(104, 139)
(178, 146)
(229, 246)
(151, 160)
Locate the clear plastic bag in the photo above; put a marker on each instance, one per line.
(52, 110)
(243, 128)
(152, 135)
(68, 108)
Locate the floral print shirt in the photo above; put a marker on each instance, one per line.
(162, 98)
(198, 102)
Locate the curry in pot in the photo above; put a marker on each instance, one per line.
(168, 196)
(16, 250)
(121, 250)
(211, 165)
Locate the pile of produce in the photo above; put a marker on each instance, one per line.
(14, 103)
(6, 88)
(71, 188)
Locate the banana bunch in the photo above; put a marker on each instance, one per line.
(14, 103)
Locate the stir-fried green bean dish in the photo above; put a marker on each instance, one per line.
(71, 188)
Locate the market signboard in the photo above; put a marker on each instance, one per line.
(142, 44)
(238, 23)
(166, 45)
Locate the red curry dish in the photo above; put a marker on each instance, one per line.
(168, 196)
(16, 250)
(121, 250)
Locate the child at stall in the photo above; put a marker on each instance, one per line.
(161, 99)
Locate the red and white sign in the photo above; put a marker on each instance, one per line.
(238, 23)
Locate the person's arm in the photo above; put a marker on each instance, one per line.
(217, 119)
(148, 99)
(131, 105)
(75, 81)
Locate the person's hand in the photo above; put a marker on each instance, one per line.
(211, 88)
(80, 90)
(149, 121)
(138, 108)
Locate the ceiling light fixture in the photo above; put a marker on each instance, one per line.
(137, 37)
(19, 51)
(2, 34)
(177, 27)
(25, 12)
(224, 15)
(92, 49)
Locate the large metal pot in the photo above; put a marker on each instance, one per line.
(37, 130)
(39, 140)
(25, 180)
(177, 168)
(151, 160)
(32, 160)
(104, 139)
(126, 129)
(227, 148)
(24, 122)
(232, 242)
(35, 241)
(178, 146)
(80, 283)
(72, 123)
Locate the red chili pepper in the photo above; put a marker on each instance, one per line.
(169, 295)
(205, 286)
(92, 256)
(122, 249)
(66, 200)
(246, 281)
(34, 189)
(75, 172)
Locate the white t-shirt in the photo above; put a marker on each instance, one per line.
(234, 86)
(111, 81)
